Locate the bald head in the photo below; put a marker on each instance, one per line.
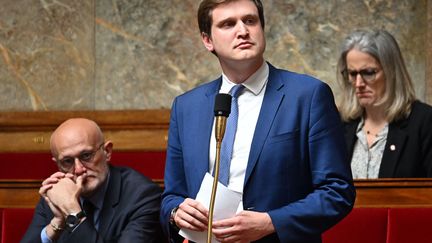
(75, 131)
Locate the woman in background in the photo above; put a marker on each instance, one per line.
(387, 130)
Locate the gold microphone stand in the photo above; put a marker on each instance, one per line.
(219, 132)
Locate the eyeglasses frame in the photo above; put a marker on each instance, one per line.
(85, 162)
(346, 75)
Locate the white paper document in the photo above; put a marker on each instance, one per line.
(226, 205)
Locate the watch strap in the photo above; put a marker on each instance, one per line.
(81, 214)
(171, 219)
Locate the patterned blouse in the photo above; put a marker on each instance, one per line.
(365, 162)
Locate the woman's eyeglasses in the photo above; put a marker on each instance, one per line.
(368, 75)
(85, 157)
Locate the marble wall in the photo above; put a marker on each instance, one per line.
(140, 54)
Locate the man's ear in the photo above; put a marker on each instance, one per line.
(108, 148)
(208, 43)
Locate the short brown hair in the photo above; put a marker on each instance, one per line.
(206, 8)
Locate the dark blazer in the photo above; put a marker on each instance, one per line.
(130, 213)
(411, 140)
(297, 171)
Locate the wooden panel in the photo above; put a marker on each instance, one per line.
(394, 193)
(25, 193)
(124, 140)
(47, 120)
(144, 130)
(142, 140)
(391, 193)
(19, 194)
(24, 141)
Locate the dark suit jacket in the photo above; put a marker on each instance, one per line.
(412, 140)
(297, 171)
(130, 213)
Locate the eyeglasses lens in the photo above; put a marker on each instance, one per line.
(368, 75)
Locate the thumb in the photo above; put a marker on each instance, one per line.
(79, 181)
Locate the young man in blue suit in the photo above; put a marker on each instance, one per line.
(289, 157)
(125, 204)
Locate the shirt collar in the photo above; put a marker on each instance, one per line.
(360, 125)
(255, 83)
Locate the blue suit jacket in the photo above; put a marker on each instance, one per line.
(297, 171)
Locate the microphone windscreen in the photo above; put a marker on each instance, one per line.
(222, 105)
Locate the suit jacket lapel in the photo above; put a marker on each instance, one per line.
(112, 197)
(396, 140)
(270, 106)
(208, 119)
(351, 136)
(202, 134)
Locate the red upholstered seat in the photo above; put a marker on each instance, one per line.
(15, 222)
(360, 226)
(1, 217)
(410, 225)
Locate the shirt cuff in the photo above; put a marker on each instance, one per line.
(44, 236)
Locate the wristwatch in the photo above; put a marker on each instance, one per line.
(73, 219)
(171, 219)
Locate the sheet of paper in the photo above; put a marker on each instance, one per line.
(226, 205)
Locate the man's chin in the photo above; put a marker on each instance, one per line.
(89, 187)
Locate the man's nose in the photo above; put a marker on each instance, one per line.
(79, 167)
(242, 29)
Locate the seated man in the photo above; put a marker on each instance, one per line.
(89, 200)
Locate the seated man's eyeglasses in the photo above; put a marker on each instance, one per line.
(85, 157)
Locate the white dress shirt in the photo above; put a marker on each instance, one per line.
(249, 106)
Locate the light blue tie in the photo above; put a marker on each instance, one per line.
(228, 140)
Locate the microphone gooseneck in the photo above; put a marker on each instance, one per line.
(222, 109)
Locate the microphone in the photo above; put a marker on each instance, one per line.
(222, 109)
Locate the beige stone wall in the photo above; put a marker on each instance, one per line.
(140, 54)
(428, 79)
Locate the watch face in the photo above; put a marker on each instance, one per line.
(71, 221)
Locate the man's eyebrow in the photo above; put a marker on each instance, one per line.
(224, 21)
(228, 19)
(250, 16)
